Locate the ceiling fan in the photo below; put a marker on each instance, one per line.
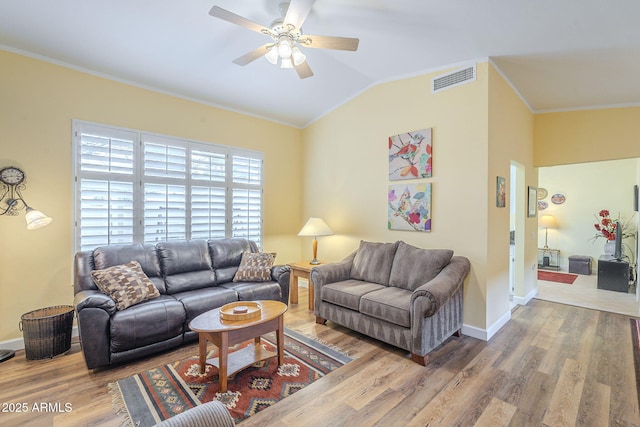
(287, 37)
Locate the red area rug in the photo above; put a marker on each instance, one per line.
(157, 394)
(552, 276)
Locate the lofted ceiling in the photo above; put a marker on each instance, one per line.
(558, 54)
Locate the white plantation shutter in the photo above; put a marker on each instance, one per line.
(247, 214)
(165, 188)
(164, 212)
(134, 187)
(247, 198)
(104, 191)
(247, 170)
(208, 213)
(106, 212)
(208, 193)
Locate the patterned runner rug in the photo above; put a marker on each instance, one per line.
(157, 394)
(635, 333)
(552, 276)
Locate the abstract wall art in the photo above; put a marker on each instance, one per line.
(409, 207)
(410, 155)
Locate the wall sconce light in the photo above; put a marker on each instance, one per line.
(11, 186)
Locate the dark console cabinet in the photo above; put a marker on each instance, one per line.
(613, 275)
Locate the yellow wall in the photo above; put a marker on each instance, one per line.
(346, 172)
(38, 100)
(510, 139)
(586, 136)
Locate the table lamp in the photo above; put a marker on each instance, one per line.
(547, 221)
(315, 227)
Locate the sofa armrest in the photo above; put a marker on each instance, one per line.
(94, 299)
(281, 273)
(213, 413)
(94, 310)
(427, 299)
(331, 273)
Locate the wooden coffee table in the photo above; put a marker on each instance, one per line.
(225, 333)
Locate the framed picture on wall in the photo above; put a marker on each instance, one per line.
(409, 207)
(532, 205)
(501, 192)
(410, 155)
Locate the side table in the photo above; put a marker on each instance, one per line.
(301, 269)
(549, 259)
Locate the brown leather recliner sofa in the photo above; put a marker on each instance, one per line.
(191, 276)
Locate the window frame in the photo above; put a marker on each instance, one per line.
(139, 180)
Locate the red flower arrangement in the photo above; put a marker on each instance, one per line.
(605, 226)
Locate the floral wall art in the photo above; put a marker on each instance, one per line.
(410, 207)
(410, 155)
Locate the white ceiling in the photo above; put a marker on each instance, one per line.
(559, 54)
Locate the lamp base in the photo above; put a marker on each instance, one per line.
(314, 262)
(6, 355)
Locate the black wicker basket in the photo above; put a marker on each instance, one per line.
(47, 331)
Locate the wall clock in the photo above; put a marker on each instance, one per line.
(11, 175)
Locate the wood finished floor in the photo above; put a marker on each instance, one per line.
(584, 292)
(551, 365)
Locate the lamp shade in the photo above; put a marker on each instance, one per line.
(547, 221)
(272, 55)
(315, 227)
(36, 219)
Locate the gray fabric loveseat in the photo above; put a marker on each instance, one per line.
(405, 296)
(187, 278)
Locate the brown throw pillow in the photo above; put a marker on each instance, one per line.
(255, 267)
(126, 284)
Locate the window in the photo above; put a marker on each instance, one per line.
(135, 187)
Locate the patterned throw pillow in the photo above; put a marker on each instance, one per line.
(255, 267)
(126, 284)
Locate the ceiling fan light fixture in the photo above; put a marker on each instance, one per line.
(272, 55)
(298, 56)
(286, 63)
(284, 48)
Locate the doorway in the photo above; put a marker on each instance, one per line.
(517, 198)
(576, 195)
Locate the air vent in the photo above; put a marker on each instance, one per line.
(453, 79)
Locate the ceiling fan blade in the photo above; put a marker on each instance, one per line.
(298, 12)
(330, 42)
(221, 13)
(303, 70)
(253, 55)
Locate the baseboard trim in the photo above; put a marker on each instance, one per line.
(486, 334)
(18, 343)
(525, 300)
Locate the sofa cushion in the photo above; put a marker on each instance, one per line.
(255, 267)
(226, 255)
(126, 284)
(147, 323)
(228, 252)
(389, 304)
(198, 301)
(186, 265)
(413, 267)
(108, 256)
(252, 291)
(348, 293)
(372, 262)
